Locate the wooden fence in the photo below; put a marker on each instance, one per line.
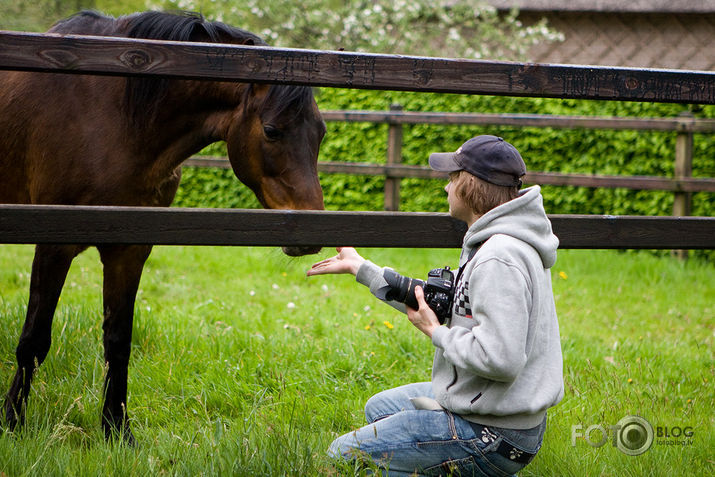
(682, 185)
(46, 53)
(167, 226)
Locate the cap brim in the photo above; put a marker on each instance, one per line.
(444, 162)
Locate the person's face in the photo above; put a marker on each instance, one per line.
(457, 208)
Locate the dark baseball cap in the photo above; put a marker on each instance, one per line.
(490, 158)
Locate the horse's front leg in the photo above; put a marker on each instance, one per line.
(122, 271)
(49, 271)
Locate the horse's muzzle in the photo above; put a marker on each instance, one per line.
(300, 251)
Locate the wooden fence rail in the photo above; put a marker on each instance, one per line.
(123, 56)
(542, 178)
(682, 184)
(683, 123)
(173, 226)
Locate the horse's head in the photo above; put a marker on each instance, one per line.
(274, 132)
(273, 144)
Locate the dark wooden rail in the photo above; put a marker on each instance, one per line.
(542, 178)
(172, 226)
(685, 126)
(121, 56)
(679, 124)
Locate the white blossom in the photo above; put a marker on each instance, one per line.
(452, 28)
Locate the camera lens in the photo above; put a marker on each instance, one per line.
(402, 288)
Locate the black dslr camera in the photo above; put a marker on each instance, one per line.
(439, 290)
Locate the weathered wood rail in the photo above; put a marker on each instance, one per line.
(121, 56)
(172, 226)
(682, 185)
(543, 178)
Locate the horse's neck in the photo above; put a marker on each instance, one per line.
(188, 122)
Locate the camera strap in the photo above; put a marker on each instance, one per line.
(472, 253)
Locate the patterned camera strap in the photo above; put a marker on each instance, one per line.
(461, 297)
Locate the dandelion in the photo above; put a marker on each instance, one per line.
(388, 325)
(630, 380)
(563, 275)
(367, 327)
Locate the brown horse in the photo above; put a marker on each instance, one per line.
(97, 140)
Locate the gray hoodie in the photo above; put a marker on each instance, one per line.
(498, 360)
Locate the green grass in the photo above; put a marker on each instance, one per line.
(243, 366)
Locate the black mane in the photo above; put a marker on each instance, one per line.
(282, 98)
(143, 95)
(183, 26)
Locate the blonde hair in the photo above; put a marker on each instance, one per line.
(479, 195)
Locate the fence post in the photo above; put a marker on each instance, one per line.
(683, 169)
(394, 156)
(683, 163)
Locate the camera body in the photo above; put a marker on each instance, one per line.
(438, 290)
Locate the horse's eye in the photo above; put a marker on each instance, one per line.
(272, 133)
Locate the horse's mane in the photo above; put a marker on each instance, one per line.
(183, 26)
(143, 95)
(281, 98)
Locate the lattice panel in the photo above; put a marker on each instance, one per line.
(637, 40)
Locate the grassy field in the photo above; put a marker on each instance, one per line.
(243, 366)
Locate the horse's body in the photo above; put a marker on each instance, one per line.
(97, 140)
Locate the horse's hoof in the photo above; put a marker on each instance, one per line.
(122, 433)
(11, 417)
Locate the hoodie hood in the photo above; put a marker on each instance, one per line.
(523, 218)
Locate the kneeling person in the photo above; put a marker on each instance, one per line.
(497, 364)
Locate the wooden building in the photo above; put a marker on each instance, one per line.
(638, 33)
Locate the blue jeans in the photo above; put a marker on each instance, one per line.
(406, 441)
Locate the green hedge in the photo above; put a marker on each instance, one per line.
(544, 149)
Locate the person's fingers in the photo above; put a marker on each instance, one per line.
(320, 268)
(420, 296)
(323, 262)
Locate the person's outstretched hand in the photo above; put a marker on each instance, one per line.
(346, 261)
